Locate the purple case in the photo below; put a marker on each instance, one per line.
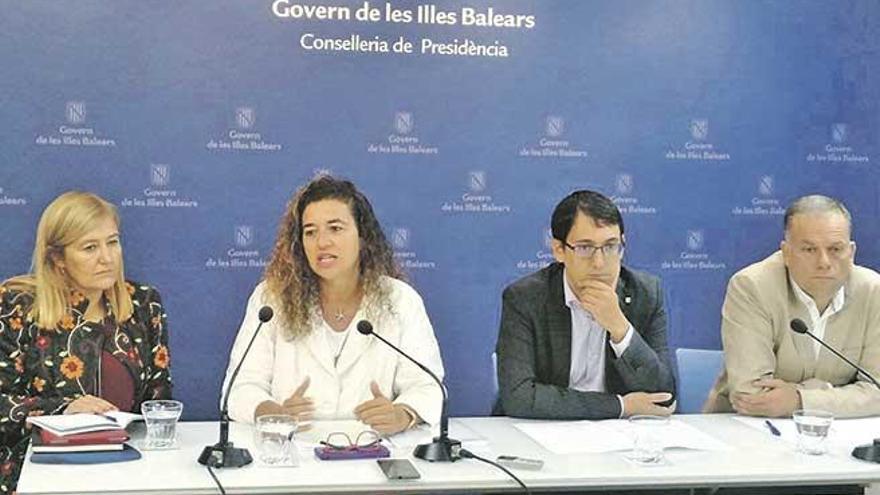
(330, 454)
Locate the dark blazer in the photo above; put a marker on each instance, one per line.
(534, 349)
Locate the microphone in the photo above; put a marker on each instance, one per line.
(443, 448)
(224, 453)
(869, 452)
(798, 326)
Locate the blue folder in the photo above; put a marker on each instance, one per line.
(128, 453)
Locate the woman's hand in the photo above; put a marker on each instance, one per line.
(89, 404)
(300, 407)
(382, 415)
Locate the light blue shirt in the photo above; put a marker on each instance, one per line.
(587, 372)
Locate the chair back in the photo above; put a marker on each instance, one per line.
(697, 371)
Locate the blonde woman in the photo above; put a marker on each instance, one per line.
(75, 336)
(332, 267)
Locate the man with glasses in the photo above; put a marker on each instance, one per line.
(585, 337)
(772, 371)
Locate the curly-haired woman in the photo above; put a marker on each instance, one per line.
(75, 336)
(332, 267)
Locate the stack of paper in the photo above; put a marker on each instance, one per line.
(69, 424)
(79, 433)
(574, 437)
(43, 441)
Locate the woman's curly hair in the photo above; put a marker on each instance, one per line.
(293, 286)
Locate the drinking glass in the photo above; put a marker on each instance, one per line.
(161, 418)
(812, 427)
(274, 439)
(648, 438)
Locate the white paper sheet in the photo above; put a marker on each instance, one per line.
(573, 437)
(67, 424)
(844, 432)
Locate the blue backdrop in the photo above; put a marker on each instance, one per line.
(702, 119)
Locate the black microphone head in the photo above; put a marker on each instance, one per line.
(266, 314)
(365, 327)
(798, 325)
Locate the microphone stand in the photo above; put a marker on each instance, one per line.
(442, 448)
(224, 454)
(868, 452)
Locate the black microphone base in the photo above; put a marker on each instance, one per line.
(868, 453)
(225, 456)
(442, 449)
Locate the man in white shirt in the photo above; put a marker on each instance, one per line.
(771, 370)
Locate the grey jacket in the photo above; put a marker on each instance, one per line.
(534, 349)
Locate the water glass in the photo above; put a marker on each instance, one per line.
(161, 418)
(648, 438)
(812, 427)
(274, 439)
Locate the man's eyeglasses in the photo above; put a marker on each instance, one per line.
(365, 440)
(610, 250)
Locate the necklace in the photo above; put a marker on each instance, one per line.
(340, 315)
(341, 347)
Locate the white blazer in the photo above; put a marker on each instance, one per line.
(276, 366)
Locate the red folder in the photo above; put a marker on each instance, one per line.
(88, 438)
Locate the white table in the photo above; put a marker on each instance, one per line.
(756, 460)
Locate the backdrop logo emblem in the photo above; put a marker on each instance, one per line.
(765, 186)
(245, 117)
(695, 240)
(624, 184)
(699, 129)
(477, 181)
(403, 122)
(400, 238)
(838, 133)
(554, 126)
(160, 175)
(244, 235)
(75, 111)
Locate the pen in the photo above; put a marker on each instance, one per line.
(773, 429)
(107, 416)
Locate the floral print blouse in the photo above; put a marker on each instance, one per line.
(44, 369)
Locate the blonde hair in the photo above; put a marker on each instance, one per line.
(67, 219)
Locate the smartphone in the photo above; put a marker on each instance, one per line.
(520, 462)
(398, 469)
